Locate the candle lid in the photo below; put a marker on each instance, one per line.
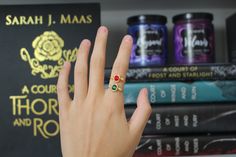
(193, 16)
(142, 19)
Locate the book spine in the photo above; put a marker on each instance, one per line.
(183, 92)
(189, 118)
(156, 146)
(179, 72)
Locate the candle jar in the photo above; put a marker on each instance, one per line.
(149, 34)
(193, 38)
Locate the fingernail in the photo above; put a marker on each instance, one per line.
(128, 38)
(145, 91)
(86, 42)
(103, 29)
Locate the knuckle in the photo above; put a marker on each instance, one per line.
(59, 87)
(96, 61)
(118, 66)
(81, 70)
(111, 110)
(91, 98)
(149, 109)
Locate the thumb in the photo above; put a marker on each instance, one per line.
(141, 114)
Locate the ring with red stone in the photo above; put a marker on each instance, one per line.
(115, 88)
(117, 78)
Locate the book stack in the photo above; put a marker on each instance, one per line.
(193, 109)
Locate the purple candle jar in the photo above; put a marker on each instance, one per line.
(149, 33)
(194, 38)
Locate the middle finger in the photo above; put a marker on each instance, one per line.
(97, 63)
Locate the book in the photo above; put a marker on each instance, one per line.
(189, 118)
(231, 39)
(35, 41)
(213, 71)
(183, 92)
(189, 145)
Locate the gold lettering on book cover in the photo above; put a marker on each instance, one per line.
(48, 48)
(30, 108)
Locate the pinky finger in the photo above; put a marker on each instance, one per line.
(62, 86)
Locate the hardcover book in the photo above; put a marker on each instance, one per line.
(189, 145)
(183, 92)
(209, 71)
(189, 118)
(35, 41)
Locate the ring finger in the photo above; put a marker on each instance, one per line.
(120, 66)
(81, 71)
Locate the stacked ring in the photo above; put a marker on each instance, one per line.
(117, 78)
(115, 88)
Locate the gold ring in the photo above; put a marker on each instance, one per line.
(115, 88)
(117, 78)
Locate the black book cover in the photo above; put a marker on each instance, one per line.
(35, 41)
(189, 118)
(156, 146)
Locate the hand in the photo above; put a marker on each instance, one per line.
(94, 124)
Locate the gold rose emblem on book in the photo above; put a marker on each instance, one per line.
(49, 55)
(48, 46)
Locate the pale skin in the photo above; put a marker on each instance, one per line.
(93, 123)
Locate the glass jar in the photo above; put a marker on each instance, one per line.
(149, 34)
(194, 38)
